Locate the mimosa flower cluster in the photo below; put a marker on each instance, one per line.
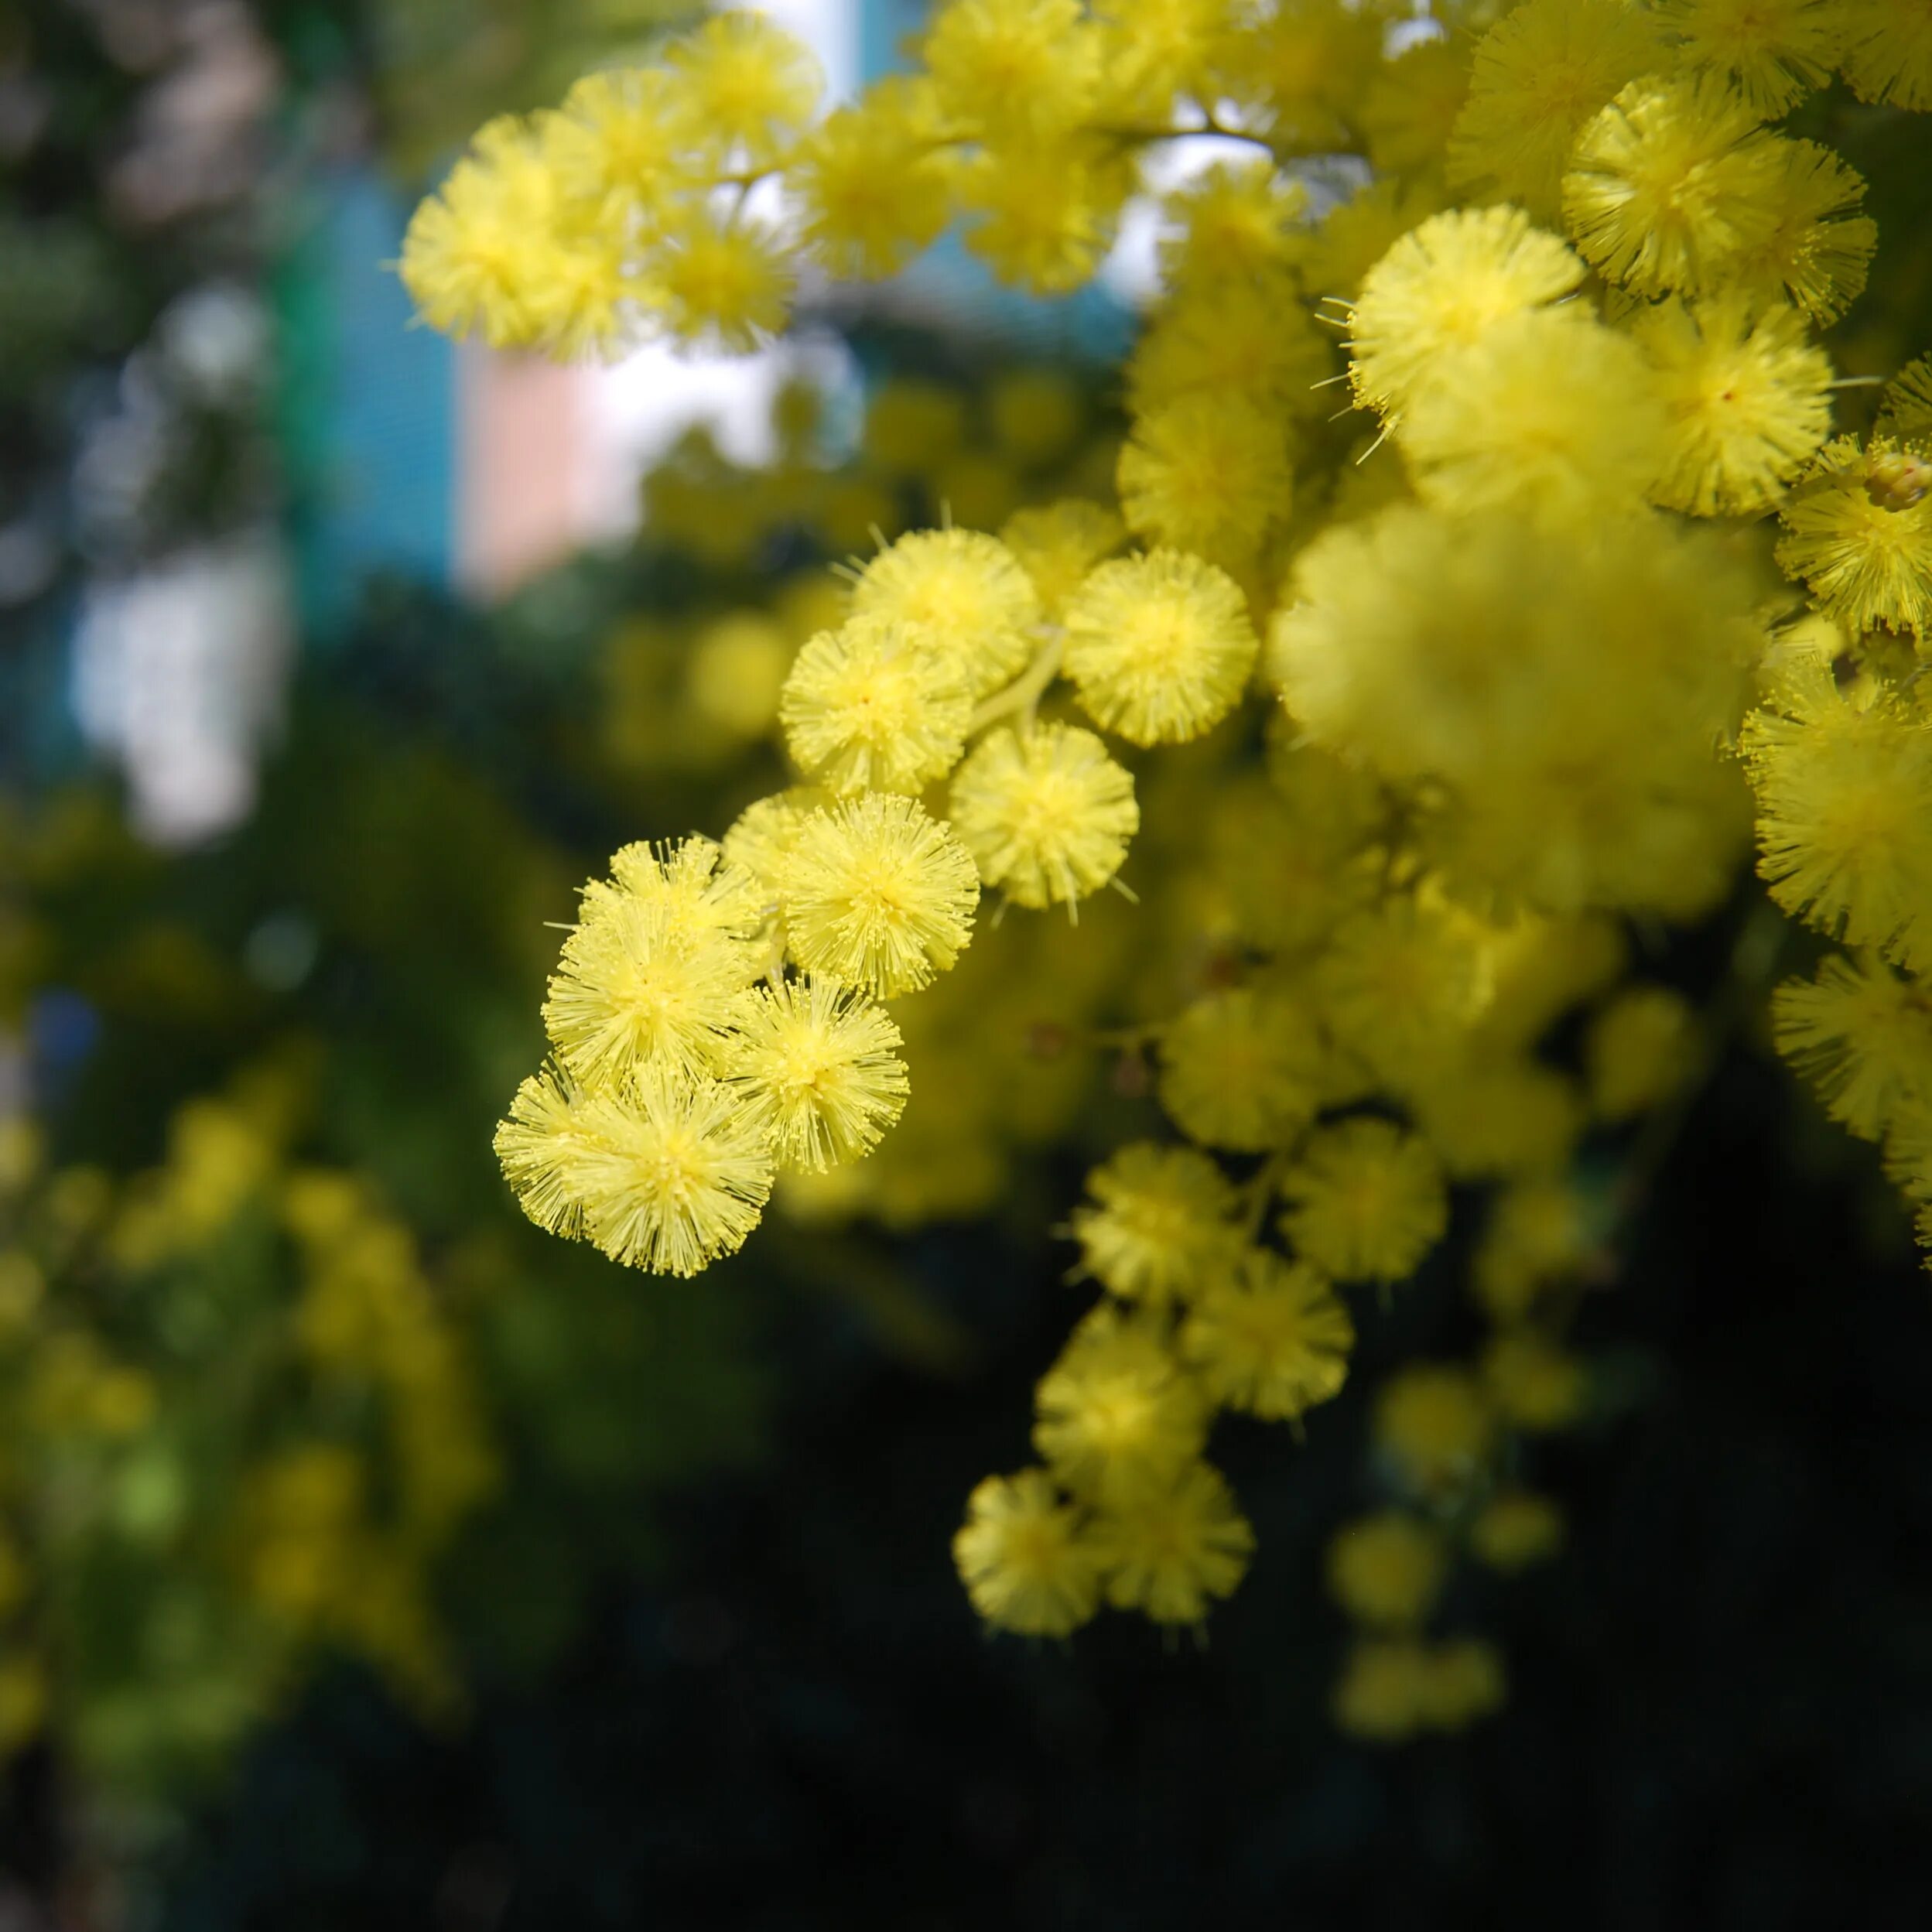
(338, 1443)
(1467, 482)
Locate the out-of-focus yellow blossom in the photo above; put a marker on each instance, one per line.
(1235, 221)
(1037, 416)
(1269, 1337)
(1887, 51)
(1409, 113)
(1435, 1424)
(1550, 415)
(1534, 1384)
(1392, 1688)
(1118, 1415)
(1240, 1069)
(1491, 1118)
(1516, 1529)
(23, 1701)
(1206, 473)
(1774, 52)
(1538, 1234)
(870, 184)
(1160, 1226)
(1539, 75)
(1172, 1551)
(737, 673)
(1442, 288)
(1402, 984)
(21, 1153)
(1028, 1564)
(1464, 1682)
(1367, 1201)
(1638, 1049)
(1058, 544)
(1387, 1570)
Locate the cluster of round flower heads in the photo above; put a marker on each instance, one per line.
(717, 1014)
(1528, 667)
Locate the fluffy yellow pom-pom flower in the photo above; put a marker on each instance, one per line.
(481, 254)
(1862, 1035)
(1237, 222)
(663, 1173)
(637, 986)
(1160, 1225)
(1252, 340)
(629, 132)
(878, 895)
(1269, 1338)
(1159, 647)
(1539, 74)
(1026, 66)
(1118, 1415)
(1208, 472)
(1888, 50)
(1044, 211)
(1774, 52)
(696, 882)
(870, 187)
(727, 283)
(1549, 415)
(966, 593)
(1864, 548)
(1023, 1558)
(1906, 414)
(1443, 287)
(1844, 811)
(1669, 184)
(1818, 249)
(759, 841)
(1403, 983)
(875, 705)
(1367, 1201)
(752, 86)
(538, 1144)
(818, 1070)
(1047, 817)
(1747, 397)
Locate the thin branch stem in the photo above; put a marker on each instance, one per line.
(1022, 696)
